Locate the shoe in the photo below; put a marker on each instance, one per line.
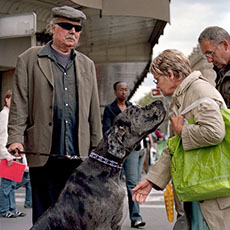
(137, 224)
(27, 206)
(9, 215)
(20, 214)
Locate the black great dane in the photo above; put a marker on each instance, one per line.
(93, 198)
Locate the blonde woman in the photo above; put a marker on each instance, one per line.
(174, 77)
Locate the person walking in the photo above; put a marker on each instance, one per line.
(55, 108)
(133, 162)
(174, 77)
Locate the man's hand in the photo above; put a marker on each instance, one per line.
(142, 190)
(10, 160)
(14, 148)
(177, 123)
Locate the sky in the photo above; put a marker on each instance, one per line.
(187, 19)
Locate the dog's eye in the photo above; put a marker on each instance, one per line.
(121, 128)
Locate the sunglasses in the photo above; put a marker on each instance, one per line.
(69, 26)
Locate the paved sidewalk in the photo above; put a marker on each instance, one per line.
(19, 223)
(152, 211)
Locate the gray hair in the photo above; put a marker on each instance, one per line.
(171, 60)
(49, 26)
(215, 34)
(53, 21)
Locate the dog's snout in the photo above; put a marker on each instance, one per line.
(158, 103)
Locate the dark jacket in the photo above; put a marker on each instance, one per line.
(223, 83)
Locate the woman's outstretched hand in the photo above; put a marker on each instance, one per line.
(142, 190)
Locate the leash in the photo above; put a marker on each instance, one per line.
(92, 155)
(74, 157)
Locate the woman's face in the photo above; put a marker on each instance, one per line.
(167, 84)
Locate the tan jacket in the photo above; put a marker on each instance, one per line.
(210, 132)
(31, 112)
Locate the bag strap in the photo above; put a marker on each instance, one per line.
(196, 103)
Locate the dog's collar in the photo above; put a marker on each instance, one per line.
(104, 160)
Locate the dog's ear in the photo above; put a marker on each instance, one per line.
(115, 142)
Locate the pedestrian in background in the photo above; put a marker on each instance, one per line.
(55, 108)
(215, 45)
(134, 161)
(7, 187)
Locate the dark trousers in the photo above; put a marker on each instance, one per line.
(47, 183)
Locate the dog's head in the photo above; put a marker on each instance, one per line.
(131, 126)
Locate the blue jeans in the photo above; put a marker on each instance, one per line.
(131, 170)
(198, 222)
(26, 182)
(140, 164)
(7, 196)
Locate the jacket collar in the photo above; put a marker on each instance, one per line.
(187, 82)
(180, 91)
(114, 104)
(47, 52)
(46, 65)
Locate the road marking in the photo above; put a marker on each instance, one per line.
(151, 206)
(19, 200)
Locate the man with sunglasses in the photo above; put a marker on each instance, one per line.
(55, 108)
(215, 45)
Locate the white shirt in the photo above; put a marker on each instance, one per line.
(4, 114)
(4, 154)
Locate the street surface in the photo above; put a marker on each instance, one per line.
(152, 211)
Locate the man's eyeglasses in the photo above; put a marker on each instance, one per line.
(69, 26)
(209, 54)
(123, 90)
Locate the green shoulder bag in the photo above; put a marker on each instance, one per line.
(203, 173)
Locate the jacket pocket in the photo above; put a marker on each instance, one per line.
(223, 202)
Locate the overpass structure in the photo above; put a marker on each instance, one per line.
(118, 36)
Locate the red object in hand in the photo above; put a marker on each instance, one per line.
(13, 172)
(158, 134)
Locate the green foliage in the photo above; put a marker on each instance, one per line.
(146, 100)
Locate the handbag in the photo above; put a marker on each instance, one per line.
(202, 173)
